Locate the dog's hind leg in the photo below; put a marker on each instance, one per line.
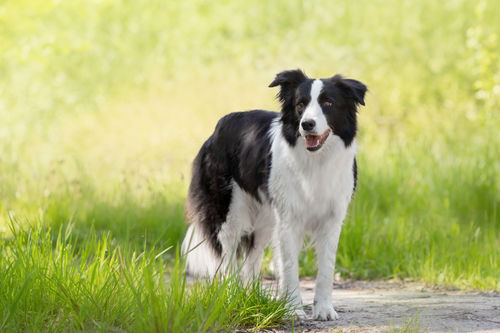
(238, 223)
(229, 238)
(255, 251)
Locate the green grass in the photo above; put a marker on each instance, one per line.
(103, 105)
(59, 284)
(409, 325)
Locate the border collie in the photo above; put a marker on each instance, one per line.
(265, 175)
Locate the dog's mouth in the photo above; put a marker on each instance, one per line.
(315, 142)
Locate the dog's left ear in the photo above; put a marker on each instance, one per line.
(354, 88)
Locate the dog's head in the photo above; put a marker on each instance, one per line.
(316, 109)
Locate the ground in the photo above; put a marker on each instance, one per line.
(391, 306)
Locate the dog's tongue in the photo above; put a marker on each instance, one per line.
(312, 141)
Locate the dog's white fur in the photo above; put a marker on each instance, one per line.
(304, 186)
(313, 110)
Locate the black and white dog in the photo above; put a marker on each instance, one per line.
(265, 175)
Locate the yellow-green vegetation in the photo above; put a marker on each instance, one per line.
(103, 105)
(59, 284)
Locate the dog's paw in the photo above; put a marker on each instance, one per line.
(324, 312)
(300, 314)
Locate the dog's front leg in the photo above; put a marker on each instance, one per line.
(326, 241)
(288, 242)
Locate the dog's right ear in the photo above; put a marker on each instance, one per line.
(289, 81)
(287, 78)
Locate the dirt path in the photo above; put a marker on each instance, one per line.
(381, 306)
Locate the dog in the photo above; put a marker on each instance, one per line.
(265, 176)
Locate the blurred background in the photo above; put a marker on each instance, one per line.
(104, 104)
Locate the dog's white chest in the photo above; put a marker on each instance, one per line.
(311, 187)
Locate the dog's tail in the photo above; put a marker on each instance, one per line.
(201, 259)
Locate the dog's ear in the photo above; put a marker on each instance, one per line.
(288, 78)
(354, 89)
(289, 81)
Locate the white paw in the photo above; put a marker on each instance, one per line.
(324, 312)
(300, 314)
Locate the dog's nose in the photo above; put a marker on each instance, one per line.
(308, 124)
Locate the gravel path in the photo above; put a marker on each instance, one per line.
(382, 306)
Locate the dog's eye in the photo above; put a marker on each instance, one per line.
(300, 107)
(327, 104)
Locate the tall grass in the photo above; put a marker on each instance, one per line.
(59, 285)
(103, 105)
(443, 230)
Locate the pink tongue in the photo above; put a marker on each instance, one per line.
(312, 141)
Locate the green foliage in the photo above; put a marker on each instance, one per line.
(59, 285)
(444, 229)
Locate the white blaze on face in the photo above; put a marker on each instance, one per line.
(313, 111)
